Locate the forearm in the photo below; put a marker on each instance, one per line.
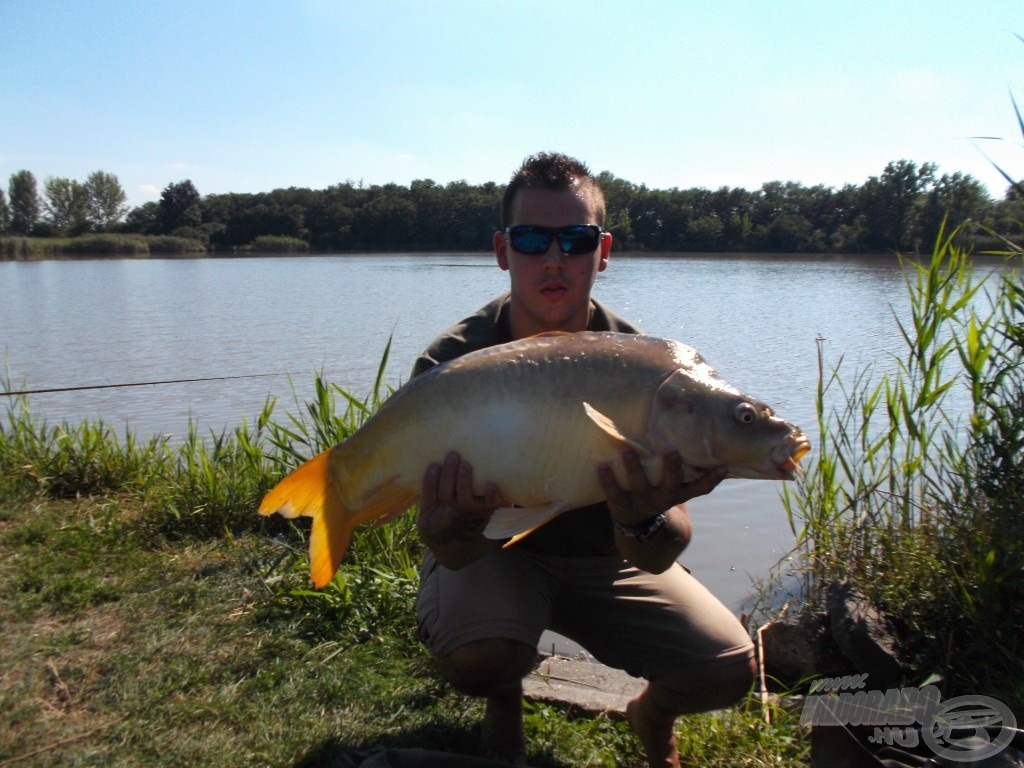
(658, 551)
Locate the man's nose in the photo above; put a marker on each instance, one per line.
(553, 256)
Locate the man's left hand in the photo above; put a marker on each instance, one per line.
(636, 504)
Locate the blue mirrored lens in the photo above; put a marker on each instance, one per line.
(531, 239)
(574, 240)
(579, 240)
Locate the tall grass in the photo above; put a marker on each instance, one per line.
(277, 244)
(210, 486)
(95, 244)
(918, 503)
(66, 461)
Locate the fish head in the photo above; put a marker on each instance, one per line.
(713, 424)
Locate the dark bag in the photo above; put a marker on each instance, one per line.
(841, 746)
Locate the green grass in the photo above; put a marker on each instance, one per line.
(152, 618)
(277, 244)
(14, 248)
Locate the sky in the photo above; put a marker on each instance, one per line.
(250, 96)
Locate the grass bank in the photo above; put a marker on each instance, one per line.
(38, 248)
(152, 618)
(133, 246)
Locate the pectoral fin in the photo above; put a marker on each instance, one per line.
(609, 428)
(519, 522)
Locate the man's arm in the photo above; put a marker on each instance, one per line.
(652, 527)
(452, 519)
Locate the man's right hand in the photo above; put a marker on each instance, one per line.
(452, 518)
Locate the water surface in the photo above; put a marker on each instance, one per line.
(755, 317)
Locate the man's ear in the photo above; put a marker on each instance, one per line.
(501, 250)
(606, 251)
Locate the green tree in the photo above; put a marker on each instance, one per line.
(891, 204)
(24, 202)
(5, 213)
(793, 233)
(179, 207)
(106, 200)
(661, 220)
(434, 215)
(66, 205)
(387, 220)
(475, 212)
(955, 198)
(704, 233)
(144, 219)
(733, 207)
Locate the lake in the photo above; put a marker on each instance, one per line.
(278, 319)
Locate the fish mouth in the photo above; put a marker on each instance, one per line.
(787, 456)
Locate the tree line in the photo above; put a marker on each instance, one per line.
(903, 209)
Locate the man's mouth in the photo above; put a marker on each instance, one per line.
(554, 289)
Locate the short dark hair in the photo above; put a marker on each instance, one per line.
(555, 171)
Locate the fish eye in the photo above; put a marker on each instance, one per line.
(746, 413)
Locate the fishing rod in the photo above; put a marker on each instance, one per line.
(14, 393)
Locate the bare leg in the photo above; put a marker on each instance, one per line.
(501, 736)
(653, 713)
(495, 669)
(656, 730)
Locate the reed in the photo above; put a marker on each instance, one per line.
(28, 248)
(67, 461)
(95, 244)
(278, 244)
(919, 504)
(171, 244)
(120, 245)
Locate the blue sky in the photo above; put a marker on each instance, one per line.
(248, 96)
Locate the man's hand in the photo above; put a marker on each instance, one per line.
(452, 518)
(640, 501)
(636, 506)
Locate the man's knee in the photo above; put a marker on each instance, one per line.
(479, 667)
(736, 680)
(703, 690)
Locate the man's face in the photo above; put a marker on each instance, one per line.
(551, 291)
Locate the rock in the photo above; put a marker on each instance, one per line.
(798, 649)
(584, 685)
(864, 635)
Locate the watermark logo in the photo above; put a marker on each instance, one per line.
(963, 729)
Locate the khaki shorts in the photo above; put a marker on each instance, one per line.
(646, 624)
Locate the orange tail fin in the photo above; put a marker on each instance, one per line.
(309, 491)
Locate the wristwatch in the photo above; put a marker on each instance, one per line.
(642, 533)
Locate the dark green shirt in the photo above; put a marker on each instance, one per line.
(583, 532)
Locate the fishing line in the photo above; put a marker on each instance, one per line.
(136, 384)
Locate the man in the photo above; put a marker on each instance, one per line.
(606, 578)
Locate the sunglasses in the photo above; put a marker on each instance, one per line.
(576, 240)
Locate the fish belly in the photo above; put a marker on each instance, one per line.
(521, 424)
